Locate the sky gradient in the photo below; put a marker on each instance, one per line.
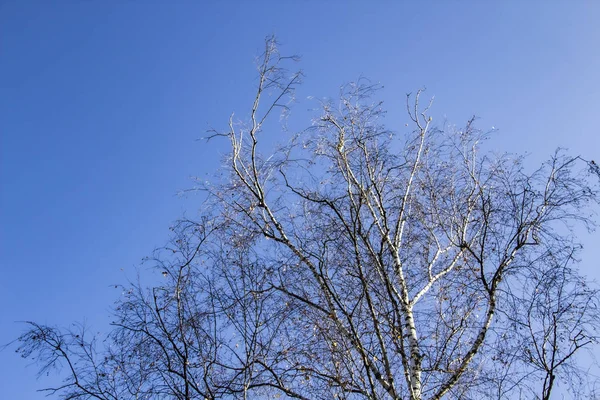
(102, 105)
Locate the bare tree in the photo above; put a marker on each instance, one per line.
(354, 262)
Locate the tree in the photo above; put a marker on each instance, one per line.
(354, 262)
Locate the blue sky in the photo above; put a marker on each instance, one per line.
(102, 103)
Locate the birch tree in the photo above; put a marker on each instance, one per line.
(352, 262)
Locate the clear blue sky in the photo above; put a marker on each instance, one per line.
(101, 103)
